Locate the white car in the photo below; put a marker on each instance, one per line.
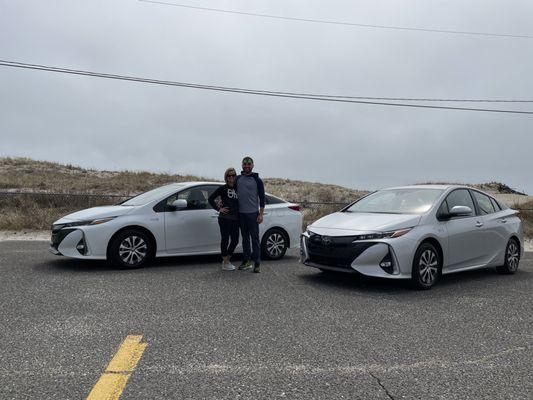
(418, 233)
(171, 220)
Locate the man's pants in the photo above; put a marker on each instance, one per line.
(250, 230)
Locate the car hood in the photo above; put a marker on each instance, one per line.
(96, 212)
(367, 222)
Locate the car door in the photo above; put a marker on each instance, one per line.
(269, 215)
(193, 229)
(494, 230)
(465, 237)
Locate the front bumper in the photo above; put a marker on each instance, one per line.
(72, 242)
(378, 258)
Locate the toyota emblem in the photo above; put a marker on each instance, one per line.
(326, 240)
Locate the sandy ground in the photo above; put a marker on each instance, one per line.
(45, 235)
(24, 235)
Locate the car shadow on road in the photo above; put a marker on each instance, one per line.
(198, 262)
(464, 280)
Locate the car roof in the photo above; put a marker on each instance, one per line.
(428, 186)
(194, 183)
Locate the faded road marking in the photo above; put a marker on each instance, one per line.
(113, 381)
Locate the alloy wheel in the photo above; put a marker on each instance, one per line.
(428, 267)
(513, 256)
(275, 245)
(132, 250)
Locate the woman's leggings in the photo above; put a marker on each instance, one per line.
(229, 229)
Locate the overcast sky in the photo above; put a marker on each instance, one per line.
(107, 124)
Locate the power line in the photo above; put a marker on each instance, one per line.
(14, 64)
(331, 22)
(299, 94)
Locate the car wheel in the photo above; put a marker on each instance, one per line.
(512, 258)
(426, 267)
(130, 249)
(274, 244)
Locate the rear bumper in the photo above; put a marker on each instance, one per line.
(365, 257)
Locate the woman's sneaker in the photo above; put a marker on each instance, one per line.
(228, 267)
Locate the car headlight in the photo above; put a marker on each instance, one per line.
(383, 235)
(101, 221)
(82, 223)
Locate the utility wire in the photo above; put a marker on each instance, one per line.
(299, 94)
(331, 22)
(14, 64)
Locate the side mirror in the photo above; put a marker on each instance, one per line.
(460, 211)
(179, 204)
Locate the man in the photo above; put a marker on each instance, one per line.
(251, 194)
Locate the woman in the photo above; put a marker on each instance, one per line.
(228, 218)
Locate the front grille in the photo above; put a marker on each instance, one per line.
(58, 236)
(334, 251)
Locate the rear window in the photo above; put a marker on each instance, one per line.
(269, 199)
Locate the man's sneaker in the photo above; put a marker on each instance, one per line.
(228, 267)
(257, 268)
(245, 265)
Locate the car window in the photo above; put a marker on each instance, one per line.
(269, 199)
(460, 197)
(149, 196)
(397, 201)
(443, 209)
(495, 205)
(484, 203)
(196, 197)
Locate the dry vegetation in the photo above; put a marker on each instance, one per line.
(527, 218)
(30, 175)
(31, 212)
(38, 212)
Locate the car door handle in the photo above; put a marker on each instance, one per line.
(214, 216)
(479, 224)
(504, 221)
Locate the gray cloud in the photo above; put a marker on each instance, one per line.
(112, 124)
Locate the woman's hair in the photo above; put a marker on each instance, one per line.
(228, 171)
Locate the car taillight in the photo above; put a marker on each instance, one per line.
(295, 207)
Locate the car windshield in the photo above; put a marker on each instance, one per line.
(397, 201)
(151, 195)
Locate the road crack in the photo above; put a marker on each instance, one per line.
(376, 378)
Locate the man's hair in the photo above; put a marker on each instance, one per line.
(248, 158)
(229, 171)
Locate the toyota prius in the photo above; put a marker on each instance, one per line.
(416, 232)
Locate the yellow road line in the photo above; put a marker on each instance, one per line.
(113, 381)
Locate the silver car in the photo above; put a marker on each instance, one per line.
(416, 232)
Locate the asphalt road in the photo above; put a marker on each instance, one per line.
(289, 332)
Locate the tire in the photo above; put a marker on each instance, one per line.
(512, 258)
(274, 244)
(130, 249)
(427, 266)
